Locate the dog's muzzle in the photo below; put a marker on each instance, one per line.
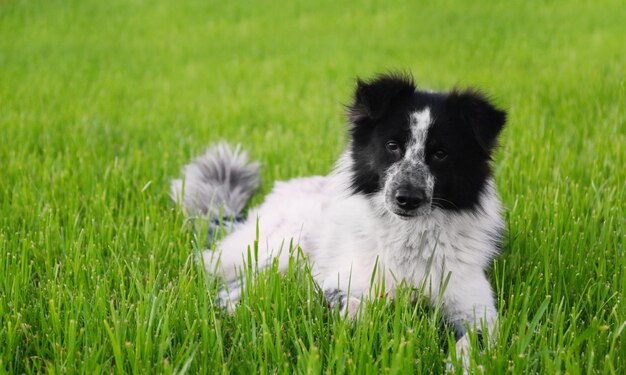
(409, 190)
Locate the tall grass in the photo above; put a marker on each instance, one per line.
(101, 103)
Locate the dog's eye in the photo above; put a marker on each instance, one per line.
(393, 146)
(440, 155)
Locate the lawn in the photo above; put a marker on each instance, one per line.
(102, 102)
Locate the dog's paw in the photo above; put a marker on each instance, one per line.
(348, 306)
(463, 346)
(352, 308)
(462, 349)
(227, 298)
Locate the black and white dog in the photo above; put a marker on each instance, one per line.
(412, 197)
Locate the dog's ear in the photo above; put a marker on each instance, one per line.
(373, 98)
(474, 108)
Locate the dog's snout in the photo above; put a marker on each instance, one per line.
(410, 199)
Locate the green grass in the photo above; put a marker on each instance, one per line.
(102, 102)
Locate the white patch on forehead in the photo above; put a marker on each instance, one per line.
(420, 123)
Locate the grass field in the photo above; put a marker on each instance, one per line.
(102, 102)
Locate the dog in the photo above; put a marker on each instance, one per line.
(412, 200)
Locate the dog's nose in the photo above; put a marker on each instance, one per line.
(409, 199)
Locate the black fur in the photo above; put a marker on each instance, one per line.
(465, 127)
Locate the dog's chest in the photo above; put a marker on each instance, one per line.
(410, 253)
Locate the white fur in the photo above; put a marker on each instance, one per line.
(352, 238)
(347, 235)
(420, 123)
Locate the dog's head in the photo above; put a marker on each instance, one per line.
(421, 149)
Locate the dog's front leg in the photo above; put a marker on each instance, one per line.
(468, 304)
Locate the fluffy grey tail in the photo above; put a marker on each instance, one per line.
(217, 184)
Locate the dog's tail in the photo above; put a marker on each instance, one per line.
(218, 184)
